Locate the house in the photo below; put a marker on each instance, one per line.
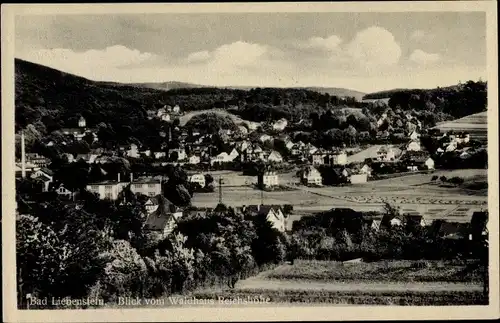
(318, 158)
(197, 178)
(233, 154)
(145, 186)
(265, 138)
(339, 158)
(311, 176)
(163, 219)
(267, 179)
(366, 170)
(297, 148)
(179, 152)
(63, 191)
(310, 149)
(133, 151)
(160, 154)
(280, 125)
(413, 146)
(165, 117)
(176, 109)
(462, 138)
(440, 150)
(37, 160)
(221, 158)
(391, 221)
(375, 225)
(413, 220)
(45, 175)
(358, 178)
(243, 145)
(414, 136)
(452, 146)
(274, 157)
(161, 112)
(386, 153)
(88, 158)
(106, 189)
(194, 159)
(418, 160)
(272, 213)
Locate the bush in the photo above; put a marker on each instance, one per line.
(443, 178)
(434, 178)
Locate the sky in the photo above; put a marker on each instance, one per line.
(361, 51)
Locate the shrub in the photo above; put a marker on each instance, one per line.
(443, 178)
(434, 178)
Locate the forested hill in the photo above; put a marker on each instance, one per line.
(50, 99)
(457, 100)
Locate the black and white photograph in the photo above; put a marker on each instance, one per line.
(244, 158)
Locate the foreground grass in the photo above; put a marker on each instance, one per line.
(353, 298)
(383, 271)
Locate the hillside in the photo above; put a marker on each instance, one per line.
(340, 92)
(164, 86)
(386, 94)
(476, 125)
(50, 99)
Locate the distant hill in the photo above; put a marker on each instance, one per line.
(388, 93)
(173, 85)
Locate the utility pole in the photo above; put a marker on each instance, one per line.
(262, 196)
(23, 155)
(220, 189)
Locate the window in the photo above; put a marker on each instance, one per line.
(109, 196)
(94, 187)
(151, 185)
(108, 187)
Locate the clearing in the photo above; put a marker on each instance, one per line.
(185, 118)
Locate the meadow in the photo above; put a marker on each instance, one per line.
(381, 271)
(475, 124)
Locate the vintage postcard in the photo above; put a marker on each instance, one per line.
(251, 161)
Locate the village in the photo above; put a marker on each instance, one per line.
(282, 166)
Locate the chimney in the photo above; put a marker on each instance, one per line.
(131, 177)
(23, 156)
(119, 177)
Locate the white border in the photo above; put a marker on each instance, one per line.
(280, 313)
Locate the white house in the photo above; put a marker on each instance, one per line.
(176, 109)
(265, 138)
(160, 154)
(358, 178)
(395, 221)
(165, 117)
(194, 159)
(452, 146)
(133, 152)
(63, 191)
(338, 158)
(414, 135)
(289, 144)
(268, 179)
(145, 186)
(44, 175)
(386, 154)
(429, 163)
(311, 176)
(221, 158)
(274, 157)
(272, 213)
(413, 146)
(106, 189)
(280, 125)
(233, 154)
(366, 170)
(197, 178)
(181, 153)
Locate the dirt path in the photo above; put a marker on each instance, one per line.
(259, 282)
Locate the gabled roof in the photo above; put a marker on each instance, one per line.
(157, 220)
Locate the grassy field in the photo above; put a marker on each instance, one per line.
(382, 271)
(370, 152)
(381, 283)
(476, 125)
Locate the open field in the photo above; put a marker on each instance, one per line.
(381, 271)
(414, 193)
(185, 118)
(391, 283)
(476, 125)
